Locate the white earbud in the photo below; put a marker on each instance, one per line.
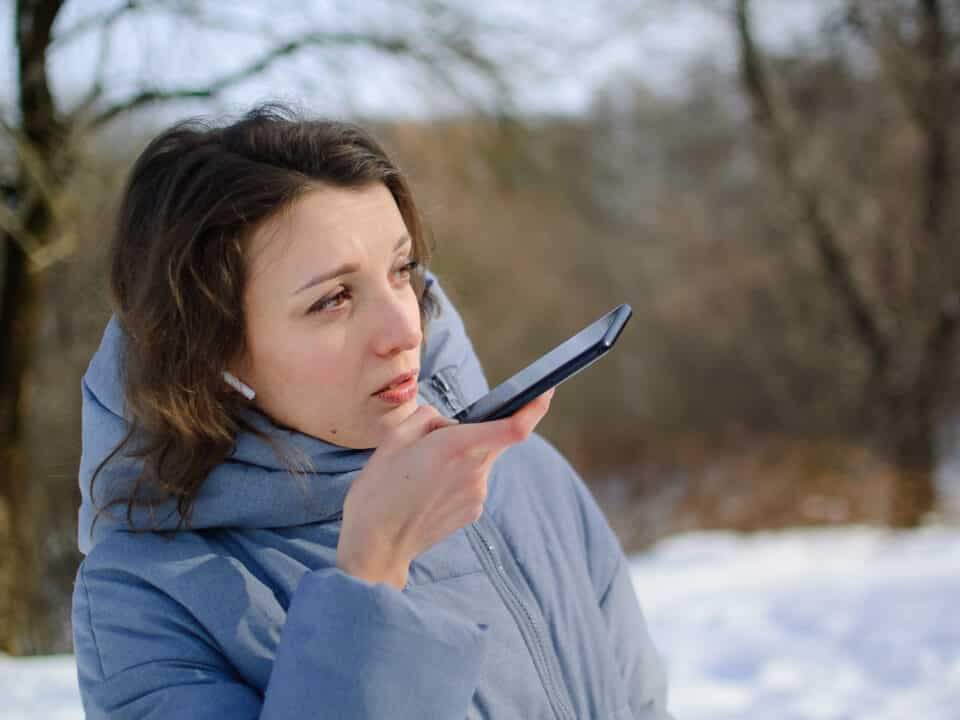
(238, 385)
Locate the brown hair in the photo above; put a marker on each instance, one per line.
(177, 276)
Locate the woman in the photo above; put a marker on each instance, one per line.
(277, 518)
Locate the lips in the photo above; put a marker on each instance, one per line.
(398, 380)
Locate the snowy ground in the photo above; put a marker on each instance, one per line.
(812, 625)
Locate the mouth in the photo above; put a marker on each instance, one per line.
(399, 390)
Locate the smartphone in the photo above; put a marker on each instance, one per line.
(564, 361)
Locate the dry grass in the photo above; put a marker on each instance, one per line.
(759, 482)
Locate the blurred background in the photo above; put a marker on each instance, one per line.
(772, 185)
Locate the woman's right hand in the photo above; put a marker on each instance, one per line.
(425, 481)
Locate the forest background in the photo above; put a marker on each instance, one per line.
(770, 184)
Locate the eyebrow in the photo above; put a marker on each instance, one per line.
(343, 269)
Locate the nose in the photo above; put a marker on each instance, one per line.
(397, 325)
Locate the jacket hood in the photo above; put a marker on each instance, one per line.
(252, 488)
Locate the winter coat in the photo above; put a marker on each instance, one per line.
(528, 613)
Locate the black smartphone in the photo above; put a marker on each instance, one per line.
(564, 361)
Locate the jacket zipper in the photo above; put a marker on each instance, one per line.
(442, 389)
(524, 619)
(489, 558)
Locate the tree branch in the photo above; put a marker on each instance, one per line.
(103, 23)
(146, 97)
(770, 118)
(34, 188)
(32, 168)
(938, 353)
(937, 186)
(95, 22)
(880, 32)
(33, 25)
(919, 71)
(938, 115)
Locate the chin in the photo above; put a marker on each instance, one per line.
(380, 425)
(394, 416)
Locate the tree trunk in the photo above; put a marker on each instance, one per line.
(17, 331)
(40, 140)
(914, 492)
(909, 437)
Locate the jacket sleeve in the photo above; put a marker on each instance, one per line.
(639, 661)
(348, 650)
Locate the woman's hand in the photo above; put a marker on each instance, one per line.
(425, 481)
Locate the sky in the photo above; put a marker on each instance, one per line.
(557, 53)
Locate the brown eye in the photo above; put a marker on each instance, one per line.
(333, 302)
(408, 268)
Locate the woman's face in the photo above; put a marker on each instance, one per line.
(332, 317)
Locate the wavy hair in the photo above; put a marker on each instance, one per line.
(177, 277)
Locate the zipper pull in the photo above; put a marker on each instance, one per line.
(446, 394)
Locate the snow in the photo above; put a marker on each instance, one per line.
(826, 624)
(39, 687)
(816, 624)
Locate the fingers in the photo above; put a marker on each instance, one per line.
(425, 419)
(497, 435)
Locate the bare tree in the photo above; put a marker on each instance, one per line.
(38, 159)
(901, 292)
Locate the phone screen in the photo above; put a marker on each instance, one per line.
(564, 361)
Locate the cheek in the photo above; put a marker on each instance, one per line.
(289, 366)
(317, 368)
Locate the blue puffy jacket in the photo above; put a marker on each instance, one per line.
(528, 613)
